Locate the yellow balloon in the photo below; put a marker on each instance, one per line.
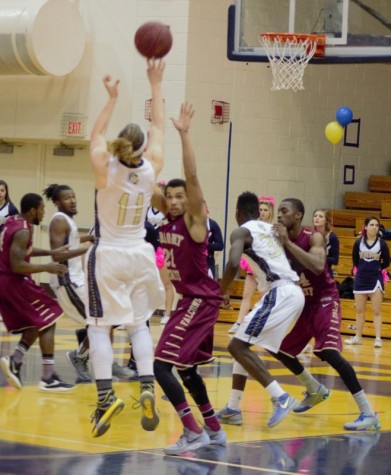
(334, 132)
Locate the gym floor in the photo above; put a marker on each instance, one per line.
(49, 434)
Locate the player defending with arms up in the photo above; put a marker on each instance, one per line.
(124, 287)
(187, 338)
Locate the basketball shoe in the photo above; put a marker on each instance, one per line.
(80, 365)
(124, 372)
(105, 411)
(354, 340)
(188, 442)
(150, 416)
(55, 384)
(11, 371)
(378, 343)
(230, 416)
(312, 399)
(364, 422)
(282, 406)
(217, 437)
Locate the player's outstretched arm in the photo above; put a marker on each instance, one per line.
(99, 155)
(155, 148)
(195, 216)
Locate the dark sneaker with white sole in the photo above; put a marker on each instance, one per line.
(55, 384)
(11, 371)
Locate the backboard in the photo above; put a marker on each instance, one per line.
(357, 31)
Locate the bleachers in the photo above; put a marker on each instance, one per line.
(380, 183)
(385, 210)
(365, 200)
(346, 218)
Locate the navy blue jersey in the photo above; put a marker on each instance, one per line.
(370, 260)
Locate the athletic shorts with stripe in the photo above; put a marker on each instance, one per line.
(123, 284)
(71, 300)
(273, 316)
(24, 304)
(187, 338)
(320, 319)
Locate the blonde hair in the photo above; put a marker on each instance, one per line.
(270, 208)
(130, 143)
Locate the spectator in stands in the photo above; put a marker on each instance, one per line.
(266, 214)
(322, 222)
(7, 208)
(371, 257)
(215, 243)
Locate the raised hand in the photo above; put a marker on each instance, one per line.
(111, 88)
(155, 70)
(186, 113)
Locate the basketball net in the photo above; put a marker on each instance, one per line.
(289, 55)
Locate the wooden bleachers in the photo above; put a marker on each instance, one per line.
(348, 318)
(385, 211)
(230, 314)
(346, 244)
(346, 218)
(365, 200)
(380, 183)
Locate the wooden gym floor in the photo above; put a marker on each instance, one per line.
(47, 434)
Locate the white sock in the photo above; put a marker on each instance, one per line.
(363, 403)
(275, 390)
(235, 399)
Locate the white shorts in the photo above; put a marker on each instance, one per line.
(273, 316)
(71, 300)
(124, 285)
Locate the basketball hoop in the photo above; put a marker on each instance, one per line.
(289, 55)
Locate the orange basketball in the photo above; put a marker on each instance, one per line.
(153, 39)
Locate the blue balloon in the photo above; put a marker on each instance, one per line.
(344, 116)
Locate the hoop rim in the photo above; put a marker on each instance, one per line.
(319, 39)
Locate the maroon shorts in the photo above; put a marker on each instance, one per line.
(320, 319)
(187, 338)
(24, 304)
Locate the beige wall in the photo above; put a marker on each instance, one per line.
(278, 141)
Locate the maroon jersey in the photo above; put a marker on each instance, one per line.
(23, 303)
(10, 227)
(315, 287)
(186, 261)
(321, 316)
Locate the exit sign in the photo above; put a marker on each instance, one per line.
(73, 124)
(74, 127)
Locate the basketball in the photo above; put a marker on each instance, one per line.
(153, 39)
